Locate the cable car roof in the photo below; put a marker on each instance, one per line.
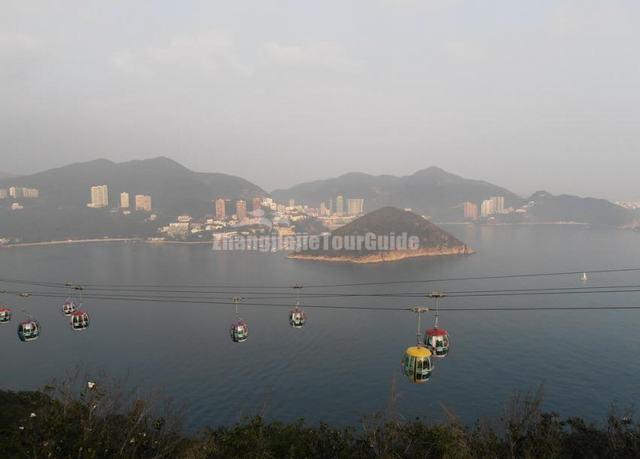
(418, 351)
(437, 332)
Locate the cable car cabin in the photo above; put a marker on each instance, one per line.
(437, 340)
(239, 332)
(297, 318)
(68, 307)
(416, 364)
(79, 320)
(29, 330)
(5, 315)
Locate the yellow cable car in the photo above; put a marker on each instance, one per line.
(416, 364)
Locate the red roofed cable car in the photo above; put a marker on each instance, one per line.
(239, 330)
(297, 317)
(437, 339)
(79, 320)
(5, 315)
(29, 330)
(69, 307)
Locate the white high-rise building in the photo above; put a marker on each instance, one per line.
(470, 210)
(17, 192)
(323, 209)
(30, 193)
(487, 208)
(340, 205)
(143, 202)
(99, 196)
(124, 200)
(498, 204)
(355, 206)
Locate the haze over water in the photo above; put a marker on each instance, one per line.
(341, 365)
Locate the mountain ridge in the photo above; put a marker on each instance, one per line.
(545, 206)
(431, 191)
(173, 188)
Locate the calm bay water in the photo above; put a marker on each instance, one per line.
(341, 365)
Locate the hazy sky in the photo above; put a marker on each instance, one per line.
(526, 94)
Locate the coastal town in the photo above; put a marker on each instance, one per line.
(258, 216)
(229, 217)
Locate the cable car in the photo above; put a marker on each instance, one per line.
(79, 320)
(437, 340)
(68, 307)
(239, 331)
(416, 364)
(5, 315)
(297, 318)
(29, 330)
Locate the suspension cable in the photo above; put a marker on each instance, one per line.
(354, 284)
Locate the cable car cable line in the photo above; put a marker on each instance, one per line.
(415, 295)
(457, 293)
(377, 294)
(355, 284)
(359, 308)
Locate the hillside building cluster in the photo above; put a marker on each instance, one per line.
(18, 192)
(100, 200)
(485, 209)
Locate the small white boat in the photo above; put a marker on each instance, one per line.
(584, 277)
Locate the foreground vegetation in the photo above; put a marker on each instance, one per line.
(93, 422)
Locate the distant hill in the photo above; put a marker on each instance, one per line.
(545, 207)
(432, 240)
(431, 191)
(439, 194)
(174, 189)
(5, 175)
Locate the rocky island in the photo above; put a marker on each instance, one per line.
(384, 235)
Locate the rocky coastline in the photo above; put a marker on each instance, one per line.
(383, 256)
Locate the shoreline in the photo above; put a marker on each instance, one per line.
(95, 241)
(385, 257)
(68, 242)
(517, 224)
